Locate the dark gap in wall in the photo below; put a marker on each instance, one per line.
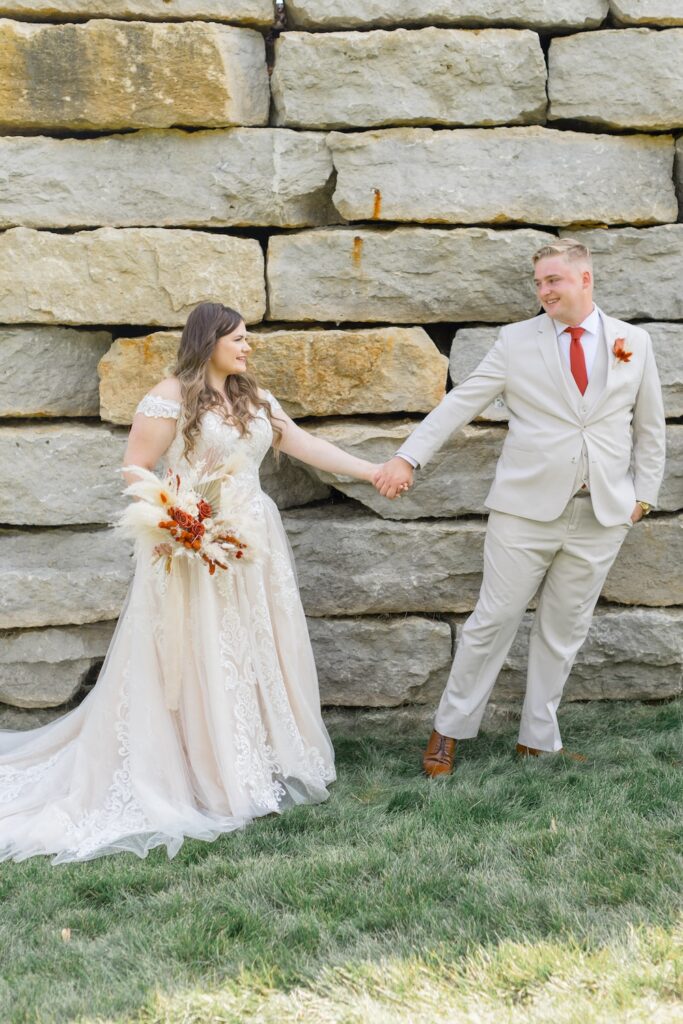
(588, 128)
(55, 528)
(442, 335)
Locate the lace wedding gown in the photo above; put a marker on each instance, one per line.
(125, 772)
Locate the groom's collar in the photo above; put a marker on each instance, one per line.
(591, 324)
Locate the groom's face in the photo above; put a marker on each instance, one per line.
(564, 289)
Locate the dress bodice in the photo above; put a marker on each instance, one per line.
(221, 439)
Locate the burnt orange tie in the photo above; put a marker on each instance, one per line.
(577, 360)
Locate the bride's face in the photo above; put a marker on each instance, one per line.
(230, 352)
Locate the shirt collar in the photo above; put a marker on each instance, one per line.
(591, 324)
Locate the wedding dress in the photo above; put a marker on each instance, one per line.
(124, 770)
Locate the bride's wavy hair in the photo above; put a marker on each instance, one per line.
(208, 322)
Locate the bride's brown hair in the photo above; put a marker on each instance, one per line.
(208, 322)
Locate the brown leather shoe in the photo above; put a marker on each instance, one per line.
(439, 756)
(525, 751)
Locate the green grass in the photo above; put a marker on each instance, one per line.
(513, 891)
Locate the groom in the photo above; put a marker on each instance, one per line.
(583, 460)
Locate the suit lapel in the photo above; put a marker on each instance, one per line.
(550, 352)
(611, 331)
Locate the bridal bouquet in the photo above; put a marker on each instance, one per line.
(187, 517)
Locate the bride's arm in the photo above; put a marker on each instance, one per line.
(151, 435)
(318, 453)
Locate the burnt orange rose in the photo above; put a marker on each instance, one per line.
(182, 518)
(204, 510)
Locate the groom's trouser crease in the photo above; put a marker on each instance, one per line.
(568, 558)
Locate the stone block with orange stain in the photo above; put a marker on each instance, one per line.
(119, 74)
(531, 175)
(313, 373)
(403, 275)
(130, 368)
(126, 276)
(238, 12)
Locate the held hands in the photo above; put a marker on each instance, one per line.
(393, 478)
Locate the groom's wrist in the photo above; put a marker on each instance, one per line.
(407, 458)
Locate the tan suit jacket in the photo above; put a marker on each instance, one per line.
(622, 428)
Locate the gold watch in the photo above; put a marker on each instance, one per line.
(646, 507)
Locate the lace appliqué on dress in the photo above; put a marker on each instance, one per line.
(14, 780)
(121, 815)
(158, 407)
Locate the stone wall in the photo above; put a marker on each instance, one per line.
(367, 184)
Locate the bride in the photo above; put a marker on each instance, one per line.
(206, 713)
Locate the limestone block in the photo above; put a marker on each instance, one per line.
(330, 373)
(667, 342)
(410, 77)
(130, 368)
(458, 478)
(539, 14)
(403, 275)
(58, 474)
(42, 668)
(289, 483)
(374, 662)
(471, 344)
(630, 654)
(454, 483)
(117, 74)
(240, 177)
(50, 371)
(671, 495)
(351, 563)
(127, 275)
(238, 12)
(638, 271)
(664, 13)
(647, 570)
(620, 78)
(56, 577)
(313, 373)
(21, 719)
(67, 474)
(678, 174)
(525, 175)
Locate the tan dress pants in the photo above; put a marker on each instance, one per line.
(569, 559)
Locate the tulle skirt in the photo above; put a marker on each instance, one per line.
(206, 715)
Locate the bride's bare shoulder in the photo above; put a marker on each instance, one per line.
(167, 388)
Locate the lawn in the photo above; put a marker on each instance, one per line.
(513, 891)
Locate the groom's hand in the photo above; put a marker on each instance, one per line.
(394, 477)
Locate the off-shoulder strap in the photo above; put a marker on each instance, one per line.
(156, 406)
(273, 402)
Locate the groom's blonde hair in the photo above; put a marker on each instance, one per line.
(570, 250)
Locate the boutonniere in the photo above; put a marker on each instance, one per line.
(623, 354)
